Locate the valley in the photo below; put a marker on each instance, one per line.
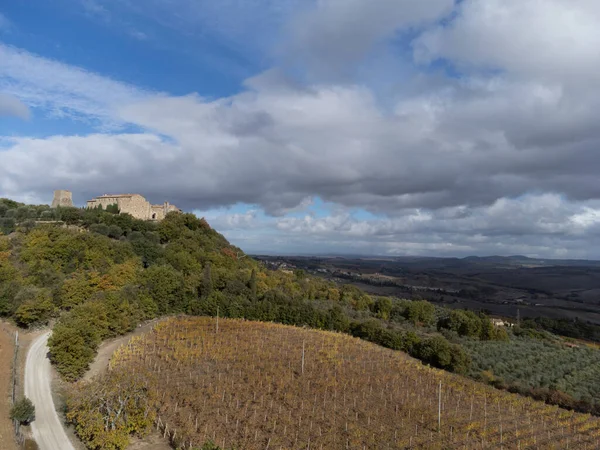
(514, 287)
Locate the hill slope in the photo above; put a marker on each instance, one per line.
(256, 385)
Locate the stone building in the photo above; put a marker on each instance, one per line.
(62, 198)
(134, 204)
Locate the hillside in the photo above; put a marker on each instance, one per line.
(255, 385)
(102, 273)
(99, 274)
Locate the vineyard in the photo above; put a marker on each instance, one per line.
(257, 385)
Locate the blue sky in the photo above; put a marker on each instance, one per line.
(388, 127)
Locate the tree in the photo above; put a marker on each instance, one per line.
(383, 307)
(207, 284)
(252, 285)
(436, 351)
(23, 411)
(115, 231)
(75, 290)
(464, 323)
(70, 215)
(37, 308)
(420, 312)
(113, 209)
(164, 284)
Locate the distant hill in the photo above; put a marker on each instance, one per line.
(520, 260)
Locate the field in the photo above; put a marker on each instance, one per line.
(257, 385)
(534, 363)
(501, 285)
(7, 432)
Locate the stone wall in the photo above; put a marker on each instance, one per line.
(133, 204)
(62, 198)
(158, 212)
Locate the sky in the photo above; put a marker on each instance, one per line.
(375, 127)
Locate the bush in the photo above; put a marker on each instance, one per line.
(438, 352)
(420, 312)
(23, 411)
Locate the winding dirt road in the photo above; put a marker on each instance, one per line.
(47, 428)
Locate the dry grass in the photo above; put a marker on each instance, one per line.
(7, 431)
(245, 387)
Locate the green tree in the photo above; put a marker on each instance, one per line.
(23, 411)
(113, 209)
(252, 285)
(37, 308)
(207, 283)
(464, 323)
(164, 284)
(115, 231)
(383, 307)
(420, 311)
(70, 215)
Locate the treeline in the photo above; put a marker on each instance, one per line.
(573, 328)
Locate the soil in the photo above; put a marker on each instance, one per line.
(107, 348)
(7, 436)
(154, 441)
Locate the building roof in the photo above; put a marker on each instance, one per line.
(117, 195)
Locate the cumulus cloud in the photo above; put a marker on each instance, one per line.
(334, 33)
(539, 225)
(500, 158)
(535, 215)
(555, 40)
(12, 106)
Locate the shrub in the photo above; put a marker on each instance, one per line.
(23, 411)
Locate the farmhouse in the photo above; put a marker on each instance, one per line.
(133, 204)
(501, 323)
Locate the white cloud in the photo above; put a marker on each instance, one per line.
(63, 90)
(12, 106)
(334, 33)
(225, 221)
(492, 161)
(543, 214)
(550, 40)
(239, 25)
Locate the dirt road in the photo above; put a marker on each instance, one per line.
(47, 428)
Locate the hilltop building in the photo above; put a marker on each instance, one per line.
(501, 323)
(62, 198)
(134, 204)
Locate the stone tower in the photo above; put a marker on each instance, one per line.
(62, 198)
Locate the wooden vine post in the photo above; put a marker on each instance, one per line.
(303, 342)
(440, 409)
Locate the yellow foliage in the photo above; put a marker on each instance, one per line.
(349, 393)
